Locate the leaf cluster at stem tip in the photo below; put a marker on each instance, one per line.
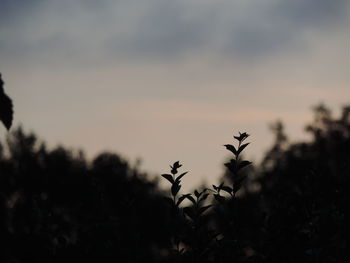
(235, 165)
(194, 215)
(174, 180)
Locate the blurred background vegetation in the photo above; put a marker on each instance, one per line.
(56, 206)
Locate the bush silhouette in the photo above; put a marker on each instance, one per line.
(57, 206)
(304, 194)
(196, 236)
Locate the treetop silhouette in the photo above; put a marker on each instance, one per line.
(6, 107)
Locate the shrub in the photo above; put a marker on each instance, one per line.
(196, 234)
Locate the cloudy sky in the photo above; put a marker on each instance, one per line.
(169, 80)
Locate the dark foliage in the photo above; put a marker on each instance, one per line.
(55, 206)
(6, 107)
(299, 214)
(304, 193)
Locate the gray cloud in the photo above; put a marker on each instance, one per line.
(101, 30)
(281, 26)
(13, 10)
(316, 13)
(162, 32)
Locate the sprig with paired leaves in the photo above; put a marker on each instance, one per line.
(234, 166)
(175, 183)
(193, 237)
(200, 239)
(195, 211)
(197, 199)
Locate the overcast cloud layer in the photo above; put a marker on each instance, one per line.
(134, 76)
(160, 29)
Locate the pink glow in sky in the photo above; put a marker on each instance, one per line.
(172, 80)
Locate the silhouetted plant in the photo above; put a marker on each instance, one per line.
(196, 239)
(303, 197)
(6, 107)
(56, 206)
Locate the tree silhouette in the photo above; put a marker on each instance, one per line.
(303, 198)
(6, 107)
(56, 206)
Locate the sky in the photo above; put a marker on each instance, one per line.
(168, 80)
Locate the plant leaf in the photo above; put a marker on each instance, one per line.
(175, 188)
(180, 176)
(241, 148)
(203, 197)
(177, 165)
(179, 201)
(241, 137)
(169, 177)
(231, 148)
(189, 197)
(197, 194)
(231, 165)
(243, 164)
(219, 198)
